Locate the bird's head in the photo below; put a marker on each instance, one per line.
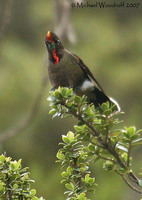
(53, 42)
(54, 47)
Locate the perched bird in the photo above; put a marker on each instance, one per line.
(65, 69)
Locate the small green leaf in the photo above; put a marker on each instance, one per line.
(70, 136)
(1, 187)
(82, 196)
(87, 178)
(15, 165)
(33, 192)
(69, 170)
(82, 169)
(91, 180)
(64, 174)
(122, 170)
(35, 198)
(140, 182)
(69, 186)
(125, 156)
(41, 198)
(105, 106)
(108, 165)
(69, 91)
(80, 128)
(2, 158)
(60, 156)
(77, 99)
(65, 139)
(57, 93)
(130, 131)
(137, 142)
(122, 147)
(52, 112)
(51, 98)
(91, 147)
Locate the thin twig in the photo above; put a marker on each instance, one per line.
(133, 177)
(128, 183)
(95, 132)
(6, 17)
(23, 124)
(123, 165)
(108, 159)
(129, 151)
(107, 132)
(63, 22)
(9, 192)
(100, 146)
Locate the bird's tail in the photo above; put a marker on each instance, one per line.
(98, 97)
(115, 103)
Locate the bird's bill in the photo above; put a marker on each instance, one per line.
(49, 37)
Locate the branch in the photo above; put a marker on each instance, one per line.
(128, 183)
(108, 159)
(94, 131)
(77, 106)
(63, 23)
(133, 177)
(23, 124)
(6, 17)
(105, 145)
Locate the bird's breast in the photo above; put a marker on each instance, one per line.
(66, 73)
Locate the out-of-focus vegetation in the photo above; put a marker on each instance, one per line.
(109, 42)
(14, 181)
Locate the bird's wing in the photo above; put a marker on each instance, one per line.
(87, 71)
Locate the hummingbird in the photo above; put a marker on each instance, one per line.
(66, 69)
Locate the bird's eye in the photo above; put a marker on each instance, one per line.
(58, 42)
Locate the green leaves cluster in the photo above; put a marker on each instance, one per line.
(76, 176)
(96, 137)
(14, 181)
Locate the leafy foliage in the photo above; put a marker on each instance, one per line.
(14, 181)
(76, 177)
(95, 138)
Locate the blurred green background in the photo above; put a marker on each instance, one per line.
(110, 42)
